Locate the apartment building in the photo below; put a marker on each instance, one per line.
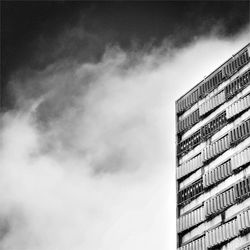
(213, 159)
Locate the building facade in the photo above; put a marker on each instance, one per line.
(213, 159)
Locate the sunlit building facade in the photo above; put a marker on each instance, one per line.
(213, 159)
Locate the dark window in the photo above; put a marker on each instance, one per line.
(191, 192)
(240, 132)
(237, 85)
(210, 128)
(189, 143)
(242, 189)
(188, 121)
(236, 63)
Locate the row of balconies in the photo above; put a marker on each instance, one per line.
(238, 107)
(222, 234)
(234, 64)
(218, 174)
(237, 85)
(213, 81)
(189, 166)
(215, 205)
(202, 134)
(211, 84)
(214, 176)
(214, 125)
(214, 102)
(240, 132)
(217, 147)
(190, 219)
(213, 150)
(222, 201)
(224, 170)
(210, 128)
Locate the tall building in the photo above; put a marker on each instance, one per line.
(213, 159)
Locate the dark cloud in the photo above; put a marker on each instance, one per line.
(36, 34)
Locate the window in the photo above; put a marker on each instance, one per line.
(188, 121)
(187, 101)
(189, 143)
(189, 193)
(211, 127)
(242, 189)
(209, 85)
(237, 85)
(240, 132)
(235, 64)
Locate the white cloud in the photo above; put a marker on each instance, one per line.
(92, 164)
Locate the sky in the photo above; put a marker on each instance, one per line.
(87, 141)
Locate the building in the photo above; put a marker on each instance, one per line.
(213, 159)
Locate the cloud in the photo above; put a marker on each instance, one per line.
(88, 158)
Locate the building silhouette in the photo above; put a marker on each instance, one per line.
(213, 159)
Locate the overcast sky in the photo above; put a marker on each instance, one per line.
(87, 147)
(35, 34)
